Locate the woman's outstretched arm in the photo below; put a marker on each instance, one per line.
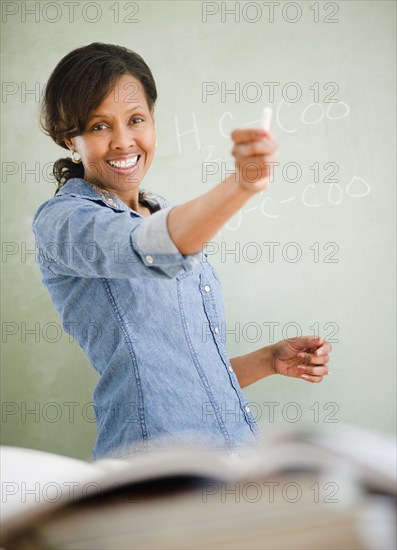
(196, 222)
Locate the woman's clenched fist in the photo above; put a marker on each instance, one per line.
(253, 150)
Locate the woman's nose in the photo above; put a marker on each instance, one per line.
(122, 138)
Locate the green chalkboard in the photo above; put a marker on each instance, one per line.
(313, 254)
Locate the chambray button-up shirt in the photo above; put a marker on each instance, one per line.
(150, 319)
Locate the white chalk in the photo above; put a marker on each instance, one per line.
(267, 113)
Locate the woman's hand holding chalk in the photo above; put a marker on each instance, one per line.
(254, 154)
(267, 113)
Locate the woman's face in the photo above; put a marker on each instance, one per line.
(117, 146)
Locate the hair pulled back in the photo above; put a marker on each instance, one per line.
(77, 86)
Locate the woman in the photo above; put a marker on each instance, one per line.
(128, 272)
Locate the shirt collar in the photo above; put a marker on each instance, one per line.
(78, 187)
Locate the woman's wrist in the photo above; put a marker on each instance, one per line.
(254, 366)
(236, 181)
(268, 360)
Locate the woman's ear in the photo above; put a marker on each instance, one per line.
(152, 113)
(69, 143)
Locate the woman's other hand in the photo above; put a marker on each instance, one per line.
(303, 357)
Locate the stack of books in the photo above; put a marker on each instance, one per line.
(331, 490)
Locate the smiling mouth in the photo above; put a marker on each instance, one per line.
(124, 164)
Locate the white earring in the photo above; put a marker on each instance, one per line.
(156, 142)
(76, 158)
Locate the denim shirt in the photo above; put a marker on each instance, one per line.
(150, 320)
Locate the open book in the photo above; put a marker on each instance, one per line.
(306, 490)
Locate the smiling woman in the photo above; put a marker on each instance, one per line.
(140, 275)
(115, 144)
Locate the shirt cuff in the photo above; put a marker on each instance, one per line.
(153, 243)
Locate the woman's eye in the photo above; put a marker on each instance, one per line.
(98, 126)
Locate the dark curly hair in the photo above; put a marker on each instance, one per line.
(77, 86)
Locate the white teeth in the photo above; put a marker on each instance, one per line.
(123, 163)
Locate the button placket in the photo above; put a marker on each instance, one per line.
(207, 290)
(214, 320)
(248, 415)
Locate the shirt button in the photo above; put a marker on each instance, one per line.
(149, 259)
(230, 368)
(247, 409)
(207, 288)
(216, 329)
(234, 456)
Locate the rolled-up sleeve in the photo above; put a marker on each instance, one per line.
(83, 238)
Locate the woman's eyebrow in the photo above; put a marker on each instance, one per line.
(108, 116)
